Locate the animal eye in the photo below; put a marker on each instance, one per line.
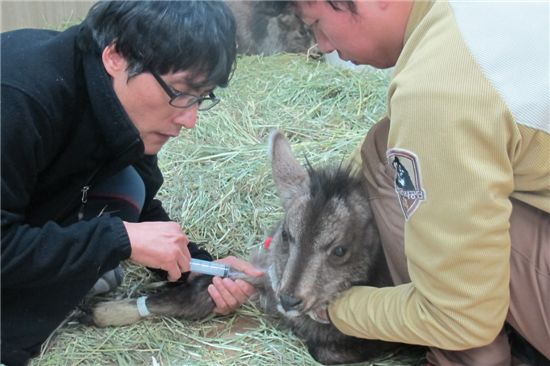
(339, 251)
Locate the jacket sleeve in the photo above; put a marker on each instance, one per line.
(45, 254)
(445, 112)
(154, 211)
(456, 242)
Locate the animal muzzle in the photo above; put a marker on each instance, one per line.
(289, 302)
(292, 307)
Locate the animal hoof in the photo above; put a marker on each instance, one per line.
(115, 313)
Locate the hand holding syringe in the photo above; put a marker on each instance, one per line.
(236, 285)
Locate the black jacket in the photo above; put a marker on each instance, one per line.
(63, 128)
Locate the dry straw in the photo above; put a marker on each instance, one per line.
(218, 186)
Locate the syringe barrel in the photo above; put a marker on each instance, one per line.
(209, 268)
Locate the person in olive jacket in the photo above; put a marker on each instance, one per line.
(84, 113)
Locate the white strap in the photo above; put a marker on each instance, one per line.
(142, 306)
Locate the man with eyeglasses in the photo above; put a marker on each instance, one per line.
(84, 113)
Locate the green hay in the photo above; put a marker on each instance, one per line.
(218, 185)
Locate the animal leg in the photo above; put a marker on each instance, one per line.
(189, 301)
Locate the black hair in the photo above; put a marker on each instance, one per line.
(166, 36)
(330, 181)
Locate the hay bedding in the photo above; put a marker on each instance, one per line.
(218, 185)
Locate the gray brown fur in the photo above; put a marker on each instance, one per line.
(267, 28)
(326, 243)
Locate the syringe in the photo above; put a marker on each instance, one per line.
(210, 268)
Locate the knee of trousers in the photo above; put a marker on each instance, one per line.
(121, 195)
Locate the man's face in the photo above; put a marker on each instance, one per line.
(372, 36)
(147, 103)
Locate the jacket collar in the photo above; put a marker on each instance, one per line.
(120, 134)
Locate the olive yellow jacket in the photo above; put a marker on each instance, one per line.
(469, 108)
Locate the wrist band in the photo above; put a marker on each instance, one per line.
(142, 306)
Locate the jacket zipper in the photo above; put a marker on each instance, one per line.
(86, 188)
(83, 201)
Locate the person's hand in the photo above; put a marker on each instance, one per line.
(160, 245)
(227, 294)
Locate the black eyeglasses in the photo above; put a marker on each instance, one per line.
(185, 100)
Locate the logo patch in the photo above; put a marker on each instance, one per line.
(407, 181)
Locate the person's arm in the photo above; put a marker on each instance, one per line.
(457, 247)
(34, 255)
(457, 242)
(153, 209)
(31, 255)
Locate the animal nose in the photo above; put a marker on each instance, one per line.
(289, 302)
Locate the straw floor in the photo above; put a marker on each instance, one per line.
(218, 186)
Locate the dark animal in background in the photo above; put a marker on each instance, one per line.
(269, 27)
(326, 243)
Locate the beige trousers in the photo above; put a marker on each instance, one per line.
(529, 312)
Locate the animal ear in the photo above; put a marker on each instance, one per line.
(291, 179)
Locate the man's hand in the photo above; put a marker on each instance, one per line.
(159, 245)
(227, 294)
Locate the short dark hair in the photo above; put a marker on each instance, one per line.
(165, 36)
